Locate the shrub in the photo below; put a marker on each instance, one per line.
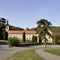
(49, 43)
(3, 41)
(34, 39)
(27, 41)
(13, 41)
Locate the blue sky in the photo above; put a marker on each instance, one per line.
(25, 13)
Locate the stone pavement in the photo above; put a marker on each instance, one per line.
(47, 56)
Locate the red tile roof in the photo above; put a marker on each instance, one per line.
(21, 32)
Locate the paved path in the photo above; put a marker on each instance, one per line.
(47, 56)
(5, 51)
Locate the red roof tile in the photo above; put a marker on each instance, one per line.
(21, 32)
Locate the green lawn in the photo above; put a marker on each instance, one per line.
(53, 51)
(28, 54)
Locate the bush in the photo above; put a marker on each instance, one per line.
(28, 41)
(49, 43)
(13, 41)
(34, 39)
(3, 41)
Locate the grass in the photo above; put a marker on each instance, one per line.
(53, 51)
(28, 54)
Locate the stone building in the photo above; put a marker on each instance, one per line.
(19, 34)
(28, 34)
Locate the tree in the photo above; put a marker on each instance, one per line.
(2, 28)
(56, 39)
(2, 20)
(45, 25)
(27, 28)
(24, 37)
(14, 28)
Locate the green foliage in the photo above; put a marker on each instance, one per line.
(3, 24)
(43, 22)
(15, 28)
(27, 28)
(56, 39)
(40, 39)
(55, 32)
(2, 28)
(2, 20)
(3, 42)
(28, 41)
(44, 25)
(34, 39)
(13, 41)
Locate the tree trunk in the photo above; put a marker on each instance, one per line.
(45, 44)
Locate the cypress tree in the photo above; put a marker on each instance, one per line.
(24, 40)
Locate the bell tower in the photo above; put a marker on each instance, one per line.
(7, 26)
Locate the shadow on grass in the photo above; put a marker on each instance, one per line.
(28, 45)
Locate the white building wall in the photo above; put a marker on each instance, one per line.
(49, 38)
(29, 36)
(20, 36)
